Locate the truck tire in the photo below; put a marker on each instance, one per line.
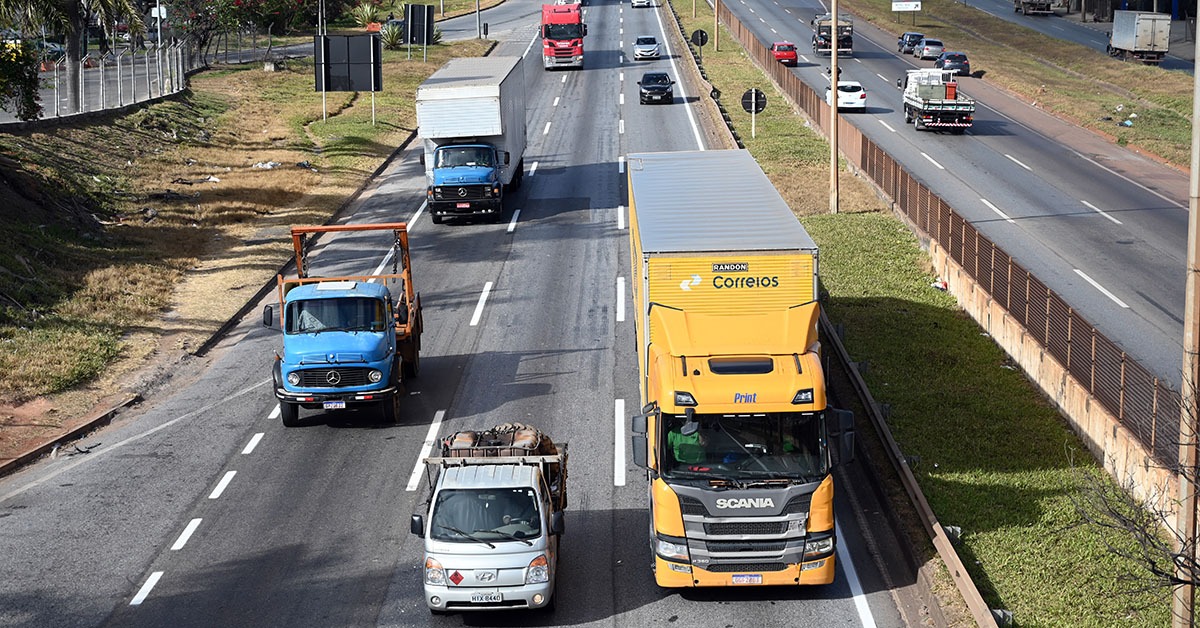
(437, 220)
(391, 409)
(411, 368)
(289, 413)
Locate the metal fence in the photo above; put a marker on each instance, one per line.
(1144, 404)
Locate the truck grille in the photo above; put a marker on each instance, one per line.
(746, 567)
(692, 506)
(460, 192)
(798, 505)
(746, 546)
(739, 528)
(333, 378)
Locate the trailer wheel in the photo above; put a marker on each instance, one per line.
(907, 117)
(289, 413)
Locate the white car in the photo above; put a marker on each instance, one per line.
(645, 47)
(851, 95)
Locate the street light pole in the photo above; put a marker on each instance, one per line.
(834, 32)
(158, 45)
(478, 22)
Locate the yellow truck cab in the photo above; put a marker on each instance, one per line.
(734, 430)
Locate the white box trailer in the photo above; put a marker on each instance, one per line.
(1142, 35)
(467, 104)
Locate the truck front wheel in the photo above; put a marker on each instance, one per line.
(391, 409)
(437, 220)
(289, 413)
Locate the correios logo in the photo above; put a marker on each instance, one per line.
(750, 502)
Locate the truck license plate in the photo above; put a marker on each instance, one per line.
(490, 596)
(334, 405)
(463, 205)
(747, 578)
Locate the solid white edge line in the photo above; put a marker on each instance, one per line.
(487, 287)
(1101, 288)
(997, 210)
(675, 68)
(620, 216)
(932, 161)
(185, 535)
(886, 125)
(254, 440)
(856, 590)
(532, 40)
(1018, 162)
(222, 485)
(1101, 212)
(146, 588)
(512, 224)
(533, 168)
(274, 413)
(619, 443)
(620, 299)
(430, 437)
(417, 214)
(101, 454)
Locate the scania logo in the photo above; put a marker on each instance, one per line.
(333, 377)
(752, 502)
(462, 192)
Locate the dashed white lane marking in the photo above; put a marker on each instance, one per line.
(887, 126)
(547, 129)
(619, 443)
(620, 299)
(222, 485)
(932, 161)
(1101, 212)
(1018, 162)
(555, 102)
(274, 413)
(620, 76)
(146, 588)
(620, 216)
(1101, 288)
(997, 210)
(564, 78)
(621, 126)
(487, 287)
(185, 535)
(512, 224)
(253, 443)
(621, 98)
(533, 168)
(430, 437)
(621, 164)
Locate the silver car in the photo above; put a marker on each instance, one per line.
(646, 47)
(928, 49)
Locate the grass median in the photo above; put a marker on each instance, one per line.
(992, 454)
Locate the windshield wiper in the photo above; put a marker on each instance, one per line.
(506, 535)
(465, 535)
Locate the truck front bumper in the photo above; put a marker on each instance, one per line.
(671, 575)
(335, 399)
(531, 596)
(573, 61)
(465, 208)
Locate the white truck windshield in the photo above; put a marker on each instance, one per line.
(485, 515)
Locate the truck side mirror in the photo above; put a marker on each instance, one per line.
(507, 157)
(585, 30)
(417, 525)
(845, 434)
(898, 83)
(269, 317)
(422, 158)
(641, 455)
(558, 523)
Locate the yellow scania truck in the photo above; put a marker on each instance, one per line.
(734, 431)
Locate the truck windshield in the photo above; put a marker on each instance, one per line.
(564, 31)
(348, 314)
(485, 515)
(463, 156)
(746, 447)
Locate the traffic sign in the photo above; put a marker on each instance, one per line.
(754, 101)
(906, 6)
(699, 37)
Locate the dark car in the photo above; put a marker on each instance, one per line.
(956, 61)
(907, 40)
(656, 87)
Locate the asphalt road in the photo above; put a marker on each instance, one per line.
(1102, 226)
(202, 510)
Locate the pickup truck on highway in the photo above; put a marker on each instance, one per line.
(932, 100)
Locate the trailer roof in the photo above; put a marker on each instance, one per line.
(714, 200)
(471, 71)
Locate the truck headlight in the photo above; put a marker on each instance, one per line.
(672, 548)
(294, 378)
(818, 547)
(434, 574)
(684, 398)
(538, 571)
(375, 376)
(495, 189)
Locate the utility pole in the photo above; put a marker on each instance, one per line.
(834, 32)
(1183, 601)
(478, 22)
(158, 11)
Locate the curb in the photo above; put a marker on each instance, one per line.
(99, 419)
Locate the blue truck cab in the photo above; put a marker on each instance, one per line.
(347, 341)
(467, 180)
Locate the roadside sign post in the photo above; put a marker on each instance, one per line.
(754, 102)
(699, 37)
(910, 6)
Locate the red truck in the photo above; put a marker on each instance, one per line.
(563, 31)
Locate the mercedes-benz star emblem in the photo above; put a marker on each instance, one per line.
(333, 377)
(462, 192)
